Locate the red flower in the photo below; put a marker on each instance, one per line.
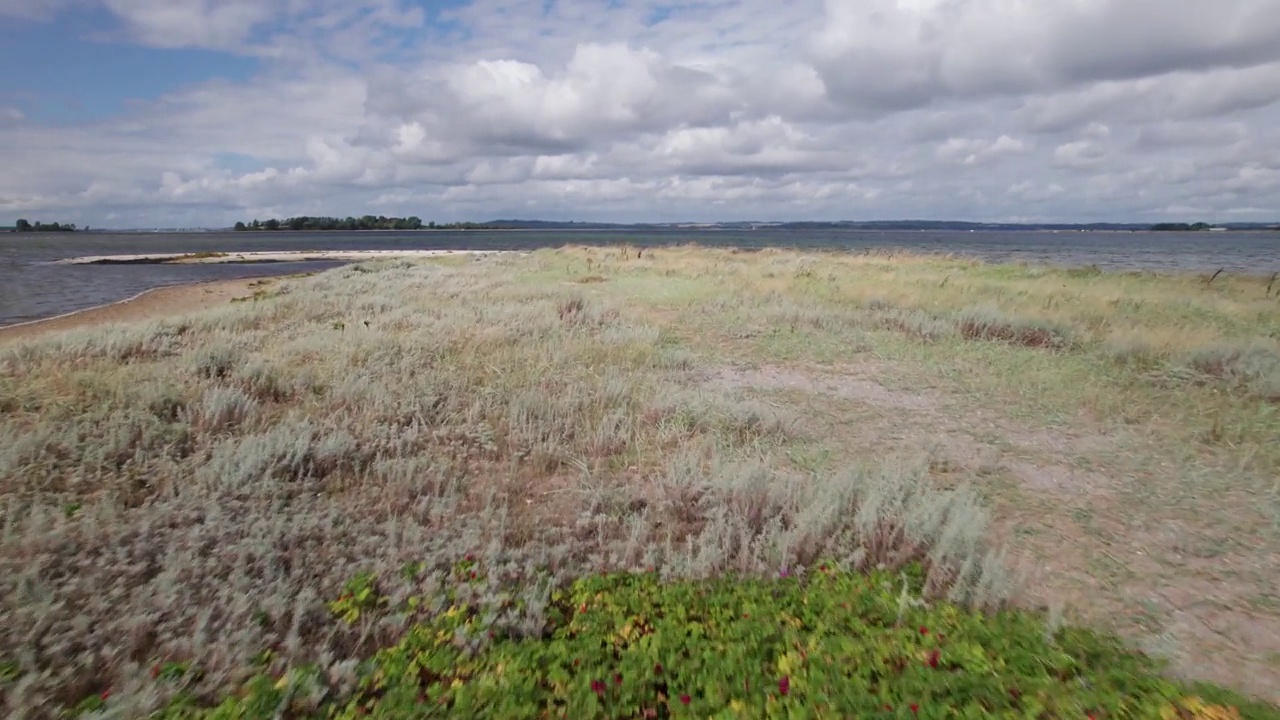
(473, 574)
(1015, 693)
(924, 630)
(105, 694)
(155, 671)
(469, 557)
(915, 708)
(784, 685)
(657, 669)
(933, 659)
(685, 699)
(617, 679)
(597, 687)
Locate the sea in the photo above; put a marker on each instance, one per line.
(33, 286)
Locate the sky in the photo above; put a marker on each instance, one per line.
(199, 113)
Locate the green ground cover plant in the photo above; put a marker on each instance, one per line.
(831, 644)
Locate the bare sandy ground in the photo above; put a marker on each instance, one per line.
(266, 256)
(160, 302)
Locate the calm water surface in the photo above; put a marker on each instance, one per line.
(31, 287)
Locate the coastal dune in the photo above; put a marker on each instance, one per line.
(327, 465)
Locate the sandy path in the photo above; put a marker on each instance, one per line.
(160, 302)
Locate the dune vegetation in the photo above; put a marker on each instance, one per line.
(675, 482)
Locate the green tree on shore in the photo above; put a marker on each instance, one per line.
(366, 222)
(25, 226)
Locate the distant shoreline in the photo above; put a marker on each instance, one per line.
(267, 256)
(655, 229)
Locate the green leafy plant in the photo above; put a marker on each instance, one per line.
(829, 643)
(359, 595)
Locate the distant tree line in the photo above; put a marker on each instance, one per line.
(23, 226)
(367, 222)
(1181, 227)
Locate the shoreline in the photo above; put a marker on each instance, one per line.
(150, 304)
(185, 298)
(267, 256)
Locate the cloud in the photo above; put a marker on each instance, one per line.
(647, 110)
(1176, 96)
(884, 55)
(198, 23)
(41, 10)
(966, 151)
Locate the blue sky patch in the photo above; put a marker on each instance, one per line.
(55, 74)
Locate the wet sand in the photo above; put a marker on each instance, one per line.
(157, 303)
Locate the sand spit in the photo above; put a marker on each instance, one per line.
(148, 305)
(272, 256)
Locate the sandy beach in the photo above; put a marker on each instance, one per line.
(159, 302)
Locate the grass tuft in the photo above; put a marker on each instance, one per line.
(987, 324)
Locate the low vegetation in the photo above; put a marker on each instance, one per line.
(519, 485)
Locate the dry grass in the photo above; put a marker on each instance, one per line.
(1123, 425)
(193, 490)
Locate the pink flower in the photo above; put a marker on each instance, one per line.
(597, 687)
(685, 699)
(784, 685)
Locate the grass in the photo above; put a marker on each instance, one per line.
(195, 494)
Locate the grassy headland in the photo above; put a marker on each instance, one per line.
(437, 459)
